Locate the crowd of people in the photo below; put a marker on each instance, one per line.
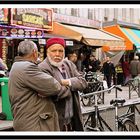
(44, 94)
(118, 74)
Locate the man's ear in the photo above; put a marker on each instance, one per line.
(35, 53)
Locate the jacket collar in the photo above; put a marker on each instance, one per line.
(19, 58)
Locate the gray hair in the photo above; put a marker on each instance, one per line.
(26, 47)
(136, 57)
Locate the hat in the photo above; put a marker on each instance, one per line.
(55, 40)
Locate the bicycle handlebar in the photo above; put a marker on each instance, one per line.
(118, 88)
(101, 91)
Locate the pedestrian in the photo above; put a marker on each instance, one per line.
(3, 66)
(79, 63)
(126, 71)
(69, 110)
(109, 72)
(119, 74)
(94, 64)
(72, 57)
(134, 66)
(139, 69)
(31, 92)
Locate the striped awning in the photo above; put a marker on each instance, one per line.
(134, 36)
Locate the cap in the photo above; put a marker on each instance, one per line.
(55, 40)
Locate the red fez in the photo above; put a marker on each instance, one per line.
(55, 40)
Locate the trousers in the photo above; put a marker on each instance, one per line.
(67, 127)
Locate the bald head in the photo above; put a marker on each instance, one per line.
(26, 47)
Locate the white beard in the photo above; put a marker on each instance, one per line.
(55, 64)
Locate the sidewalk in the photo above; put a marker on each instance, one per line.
(108, 113)
(124, 94)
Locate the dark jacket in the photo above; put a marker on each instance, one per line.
(108, 68)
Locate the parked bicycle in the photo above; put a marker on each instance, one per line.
(94, 84)
(124, 122)
(134, 86)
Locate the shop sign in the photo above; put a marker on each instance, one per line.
(114, 48)
(42, 41)
(3, 15)
(76, 20)
(32, 17)
(26, 33)
(20, 33)
(69, 43)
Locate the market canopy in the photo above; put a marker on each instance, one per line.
(96, 37)
(61, 30)
(134, 36)
(89, 36)
(119, 31)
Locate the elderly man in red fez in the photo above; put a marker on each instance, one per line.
(63, 70)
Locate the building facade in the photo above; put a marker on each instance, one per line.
(131, 15)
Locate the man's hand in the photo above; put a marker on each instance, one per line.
(66, 82)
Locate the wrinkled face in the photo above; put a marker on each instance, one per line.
(56, 53)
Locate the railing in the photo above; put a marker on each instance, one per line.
(134, 86)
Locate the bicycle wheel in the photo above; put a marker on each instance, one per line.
(127, 125)
(88, 101)
(89, 123)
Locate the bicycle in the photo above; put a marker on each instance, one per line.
(124, 122)
(94, 84)
(134, 86)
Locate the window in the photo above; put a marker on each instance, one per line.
(55, 10)
(74, 12)
(131, 14)
(90, 13)
(115, 13)
(124, 14)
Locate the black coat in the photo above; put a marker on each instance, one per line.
(108, 68)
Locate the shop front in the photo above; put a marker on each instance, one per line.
(129, 32)
(23, 23)
(90, 39)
